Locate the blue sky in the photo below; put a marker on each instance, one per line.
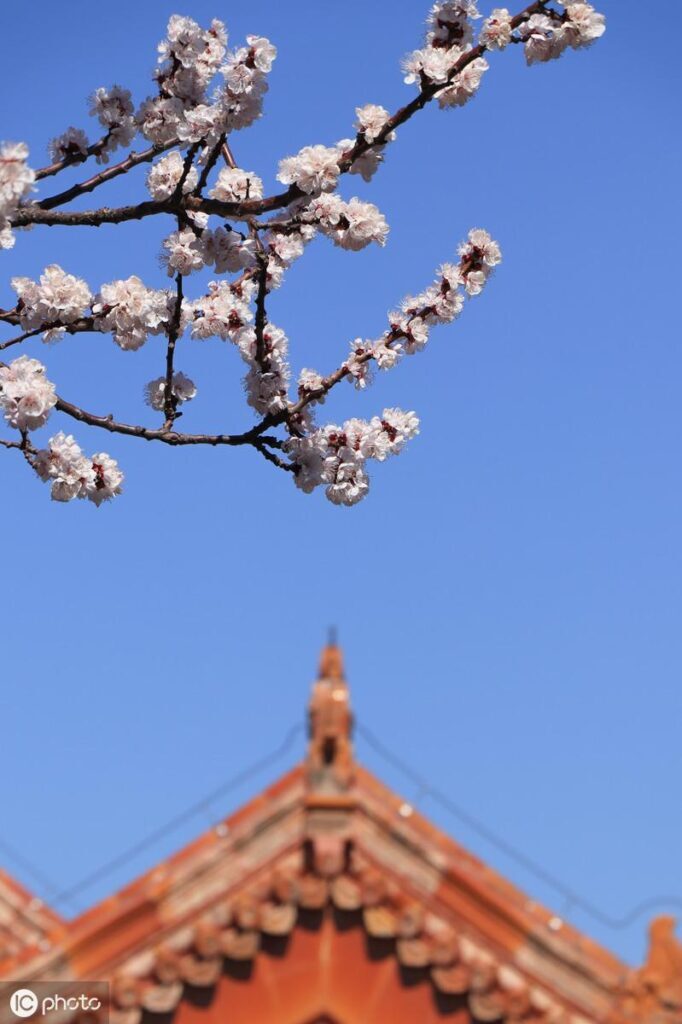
(508, 596)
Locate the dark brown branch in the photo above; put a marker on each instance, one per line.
(273, 458)
(261, 315)
(78, 327)
(90, 218)
(132, 160)
(170, 404)
(21, 337)
(171, 437)
(72, 161)
(209, 165)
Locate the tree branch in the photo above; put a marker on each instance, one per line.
(132, 160)
(170, 404)
(77, 327)
(71, 161)
(37, 213)
(254, 436)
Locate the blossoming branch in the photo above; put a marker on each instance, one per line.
(223, 221)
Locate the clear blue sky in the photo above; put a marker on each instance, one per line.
(509, 595)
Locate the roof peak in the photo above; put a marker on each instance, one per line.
(330, 752)
(331, 659)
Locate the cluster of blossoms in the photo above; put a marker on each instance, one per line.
(165, 176)
(234, 185)
(225, 312)
(72, 145)
(16, 182)
(190, 58)
(194, 247)
(182, 390)
(58, 300)
(204, 93)
(27, 397)
(350, 225)
(131, 311)
(547, 36)
(449, 37)
(74, 475)
(335, 457)
(115, 111)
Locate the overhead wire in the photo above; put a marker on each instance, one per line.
(573, 899)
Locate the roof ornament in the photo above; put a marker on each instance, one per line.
(330, 751)
(654, 991)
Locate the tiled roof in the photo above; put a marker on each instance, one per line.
(330, 842)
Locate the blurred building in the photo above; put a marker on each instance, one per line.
(329, 900)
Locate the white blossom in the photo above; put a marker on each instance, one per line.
(70, 145)
(358, 364)
(164, 176)
(479, 254)
(542, 42)
(368, 163)
(391, 432)
(223, 312)
(203, 121)
(27, 397)
(74, 475)
(336, 457)
(584, 25)
(63, 463)
(227, 250)
(182, 389)
(108, 479)
(159, 119)
(434, 65)
(371, 120)
(267, 381)
(189, 57)
(245, 74)
(284, 246)
(351, 225)
(314, 169)
(496, 32)
(186, 252)
(449, 23)
(16, 182)
(261, 53)
(114, 109)
(58, 299)
(309, 381)
(464, 85)
(234, 185)
(131, 311)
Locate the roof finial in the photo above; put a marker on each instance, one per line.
(331, 721)
(331, 659)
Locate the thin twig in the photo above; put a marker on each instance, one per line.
(76, 158)
(132, 160)
(77, 327)
(170, 404)
(209, 165)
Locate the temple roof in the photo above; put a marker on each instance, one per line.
(327, 895)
